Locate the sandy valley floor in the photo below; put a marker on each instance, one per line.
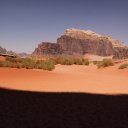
(67, 79)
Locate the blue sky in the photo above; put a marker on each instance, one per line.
(26, 23)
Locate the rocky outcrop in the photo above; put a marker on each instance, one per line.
(2, 50)
(47, 48)
(83, 42)
(120, 52)
(99, 46)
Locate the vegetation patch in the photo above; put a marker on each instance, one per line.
(48, 64)
(123, 66)
(27, 63)
(45, 64)
(105, 63)
(70, 60)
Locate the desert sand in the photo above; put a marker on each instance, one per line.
(2, 58)
(75, 78)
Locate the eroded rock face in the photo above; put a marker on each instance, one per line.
(47, 48)
(120, 52)
(99, 46)
(75, 41)
(3, 50)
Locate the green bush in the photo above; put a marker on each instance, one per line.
(105, 63)
(70, 60)
(62, 60)
(14, 60)
(27, 63)
(48, 64)
(7, 64)
(67, 61)
(85, 61)
(122, 66)
(78, 61)
(45, 64)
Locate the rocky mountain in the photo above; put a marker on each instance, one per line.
(81, 42)
(2, 50)
(47, 48)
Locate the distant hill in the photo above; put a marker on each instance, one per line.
(2, 50)
(81, 42)
(23, 55)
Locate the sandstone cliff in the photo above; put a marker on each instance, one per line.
(71, 45)
(81, 42)
(47, 48)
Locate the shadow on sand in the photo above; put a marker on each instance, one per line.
(24, 109)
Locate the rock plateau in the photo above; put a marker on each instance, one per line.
(81, 42)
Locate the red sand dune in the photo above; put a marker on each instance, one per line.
(75, 78)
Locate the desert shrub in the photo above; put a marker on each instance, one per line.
(10, 64)
(9, 59)
(85, 62)
(27, 63)
(60, 60)
(14, 60)
(7, 64)
(78, 61)
(105, 63)
(95, 62)
(69, 60)
(48, 65)
(122, 66)
(45, 64)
